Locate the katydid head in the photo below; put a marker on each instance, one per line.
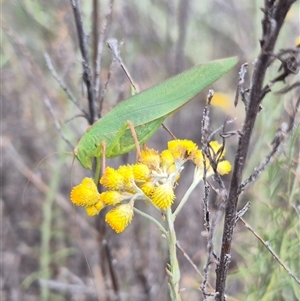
(84, 149)
(81, 155)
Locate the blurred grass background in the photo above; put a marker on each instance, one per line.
(39, 233)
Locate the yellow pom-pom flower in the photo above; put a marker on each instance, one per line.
(127, 173)
(92, 210)
(150, 157)
(85, 194)
(221, 100)
(112, 179)
(147, 188)
(167, 159)
(215, 148)
(99, 205)
(182, 149)
(111, 198)
(224, 167)
(163, 196)
(198, 159)
(141, 172)
(119, 217)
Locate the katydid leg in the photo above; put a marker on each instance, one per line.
(116, 140)
(127, 125)
(136, 141)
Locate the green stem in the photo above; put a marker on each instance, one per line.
(187, 195)
(159, 225)
(174, 266)
(46, 227)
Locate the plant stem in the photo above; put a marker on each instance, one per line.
(186, 196)
(174, 266)
(173, 270)
(46, 228)
(87, 70)
(152, 219)
(274, 15)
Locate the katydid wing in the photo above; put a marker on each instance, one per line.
(147, 111)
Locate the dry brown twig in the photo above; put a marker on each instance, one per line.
(93, 86)
(62, 84)
(86, 65)
(274, 15)
(268, 247)
(97, 82)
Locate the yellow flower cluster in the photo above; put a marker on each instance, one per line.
(152, 179)
(217, 153)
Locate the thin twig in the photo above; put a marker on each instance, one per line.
(189, 259)
(205, 119)
(205, 201)
(214, 161)
(70, 277)
(101, 39)
(274, 15)
(240, 89)
(288, 88)
(266, 244)
(87, 71)
(211, 256)
(62, 84)
(115, 49)
(280, 137)
(55, 121)
(36, 74)
(227, 134)
(95, 33)
(242, 211)
(104, 89)
(210, 227)
(66, 205)
(66, 288)
(206, 149)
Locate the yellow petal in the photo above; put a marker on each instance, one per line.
(91, 210)
(167, 159)
(99, 205)
(126, 171)
(85, 194)
(148, 188)
(119, 217)
(141, 172)
(221, 100)
(150, 157)
(198, 159)
(182, 149)
(112, 179)
(163, 196)
(111, 198)
(224, 167)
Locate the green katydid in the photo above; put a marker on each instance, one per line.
(146, 111)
